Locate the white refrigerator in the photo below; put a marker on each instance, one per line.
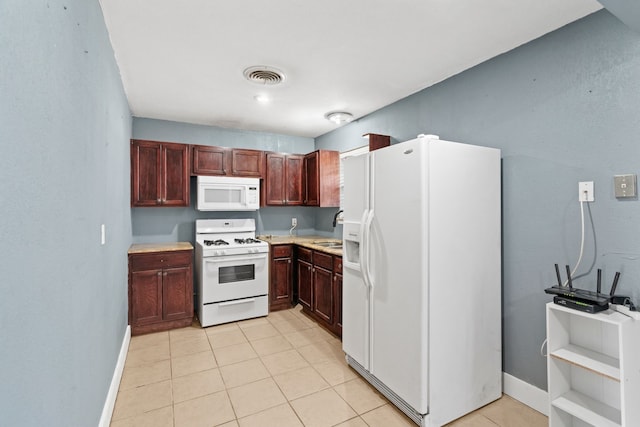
(422, 275)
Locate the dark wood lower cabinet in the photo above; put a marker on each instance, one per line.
(323, 294)
(311, 278)
(160, 290)
(337, 299)
(305, 277)
(320, 288)
(281, 281)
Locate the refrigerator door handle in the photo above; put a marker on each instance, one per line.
(363, 246)
(366, 236)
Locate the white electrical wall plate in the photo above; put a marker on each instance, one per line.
(585, 191)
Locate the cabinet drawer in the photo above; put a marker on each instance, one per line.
(337, 264)
(281, 251)
(305, 254)
(323, 260)
(155, 260)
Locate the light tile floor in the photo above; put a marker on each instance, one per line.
(279, 371)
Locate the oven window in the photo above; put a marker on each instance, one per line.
(236, 273)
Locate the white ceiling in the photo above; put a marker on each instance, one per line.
(184, 60)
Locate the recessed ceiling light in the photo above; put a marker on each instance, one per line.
(262, 99)
(339, 117)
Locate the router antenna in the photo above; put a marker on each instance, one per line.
(615, 283)
(569, 277)
(558, 275)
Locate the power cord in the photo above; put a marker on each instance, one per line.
(577, 263)
(581, 242)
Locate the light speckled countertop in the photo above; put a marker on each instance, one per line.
(306, 241)
(139, 248)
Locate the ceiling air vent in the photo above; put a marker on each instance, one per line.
(264, 75)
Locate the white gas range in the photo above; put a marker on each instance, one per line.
(232, 271)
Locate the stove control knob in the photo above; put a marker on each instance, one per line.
(223, 252)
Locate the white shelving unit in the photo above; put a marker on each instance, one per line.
(593, 368)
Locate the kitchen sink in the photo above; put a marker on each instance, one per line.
(331, 245)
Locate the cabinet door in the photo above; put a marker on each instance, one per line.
(312, 180)
(208, 160)
(175, 175)
(294, 179)
(146, 161)
(146, 297)
(247, 163)
(304, 283)
(322, 301)
(274, 182)
(280, 292)
(177, 294)
(337, 303)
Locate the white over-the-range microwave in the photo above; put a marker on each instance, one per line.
(224, 193)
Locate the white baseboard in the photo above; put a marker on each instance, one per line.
(526, 393)
(107, 410)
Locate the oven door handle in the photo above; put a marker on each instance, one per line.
(236, 302)
(218, 260)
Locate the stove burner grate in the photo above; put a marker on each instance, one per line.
(218, 242)
(247, 240)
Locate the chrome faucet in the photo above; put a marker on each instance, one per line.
(335, 218)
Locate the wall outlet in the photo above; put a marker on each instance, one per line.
(294, 222)
(585, 191)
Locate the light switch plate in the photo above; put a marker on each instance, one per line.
(625, 186)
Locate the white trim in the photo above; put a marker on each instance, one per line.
(526, 393)
(109, 404)
(355, 151)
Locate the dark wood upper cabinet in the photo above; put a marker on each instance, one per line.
(207, 160)
(159, 173)
(322, 178)
(247, 163)
(283, 179)
(224, 161)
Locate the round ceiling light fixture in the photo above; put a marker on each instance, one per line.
(264, 75)
(339, 117)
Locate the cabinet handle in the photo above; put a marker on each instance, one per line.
(289, 261)
(159, 273)
(164, 274)
(159, 200)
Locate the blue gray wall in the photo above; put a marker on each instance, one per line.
(177, 224)
(65, 128)
(563, 109)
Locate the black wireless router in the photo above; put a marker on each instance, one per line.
(582, 299)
